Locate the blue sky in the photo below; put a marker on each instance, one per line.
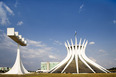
(47, 24)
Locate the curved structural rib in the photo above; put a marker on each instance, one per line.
(64, 61)
(76, 59)
(91, 62)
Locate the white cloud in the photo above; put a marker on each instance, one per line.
(52, 57)
(35, 43)
(16, 3)
(101, 50)
(91, 43)
(92, 59)
(81, 6)
(57, 42)
(114, 21)
(20, 23)
(8, 9)
(4, 11)
(36, 49)
(6, 42)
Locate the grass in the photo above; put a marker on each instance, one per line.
(63, 75)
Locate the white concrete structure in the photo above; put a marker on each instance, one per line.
(18, 67)
(76, 61)
(16, 37)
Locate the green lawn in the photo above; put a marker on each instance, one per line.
(63, 75)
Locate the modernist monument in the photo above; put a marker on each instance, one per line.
(18, 67)
(76, 61)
